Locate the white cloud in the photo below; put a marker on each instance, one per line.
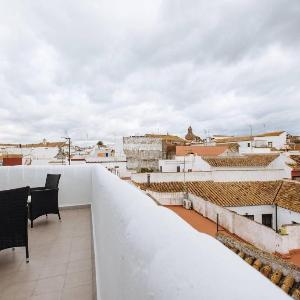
(113, 68)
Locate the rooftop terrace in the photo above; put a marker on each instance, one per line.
(141, 250)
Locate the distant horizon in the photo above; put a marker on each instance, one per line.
(116, 138)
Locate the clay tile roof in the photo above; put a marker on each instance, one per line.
(166, 137)
(241, 161)
(228, 194)
(285, 194)
(273, 133)
(289, 196)
(234, 139)
(202, 150)
(296, 159)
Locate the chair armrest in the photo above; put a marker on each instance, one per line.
(43, 195)
(37, 188)
(42, 190)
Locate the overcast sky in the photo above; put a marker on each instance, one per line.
(105, 69)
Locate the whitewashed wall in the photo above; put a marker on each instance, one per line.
(74, 185)
(254, 174)
(167, 198)
(253, 150)
(278, 142)
(257, 211)
(145, 251)
(286, 216)
(255, 233)
(168, 177)
(194, 163)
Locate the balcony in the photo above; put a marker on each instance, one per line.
(114, 242)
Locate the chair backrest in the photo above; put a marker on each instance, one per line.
(52, 181)
(13, 213)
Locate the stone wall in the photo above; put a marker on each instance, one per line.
(143, 152)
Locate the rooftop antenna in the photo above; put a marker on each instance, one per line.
(250, 136)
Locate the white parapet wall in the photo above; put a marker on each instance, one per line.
(74, 185)
(145, 251)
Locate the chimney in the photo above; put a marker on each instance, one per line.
(148, 179)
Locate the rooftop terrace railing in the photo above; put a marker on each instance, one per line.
(144, 251)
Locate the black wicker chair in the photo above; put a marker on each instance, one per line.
(13, 219)
(44, 200)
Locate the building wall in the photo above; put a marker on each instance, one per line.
(254, 150)
(191, 162)
(275, 171)
(286, 216)
(254, 232)
(246, 174)
(257, 211)
(168, 177)
(167, 198)
(143, 152)
(278, 142)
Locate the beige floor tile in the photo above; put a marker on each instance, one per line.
(77, 279)
(78, 293)
(49, 285)
(53, 270)
(24, 276)
(47, 296)
(79, 265)
(18, 291)
(60, 260)
(80, 254)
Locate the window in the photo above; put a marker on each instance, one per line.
(270, 144)
(160, 168)
(251, 217)
(189, 170)
(178, 168)
(249, 145)
(267, 220)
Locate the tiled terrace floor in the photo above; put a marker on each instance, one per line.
(60, 264)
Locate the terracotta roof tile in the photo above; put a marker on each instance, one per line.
(241, 161)
(203, 150)
(234, 139)
(166, 137)
(289, 196)
(272, 133)
(224, 193)
(285, 194)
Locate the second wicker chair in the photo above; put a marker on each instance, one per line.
(44, 200)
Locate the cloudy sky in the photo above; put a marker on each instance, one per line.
(104, 69)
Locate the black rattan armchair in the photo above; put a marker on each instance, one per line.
(13, 219)
(44, 200)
